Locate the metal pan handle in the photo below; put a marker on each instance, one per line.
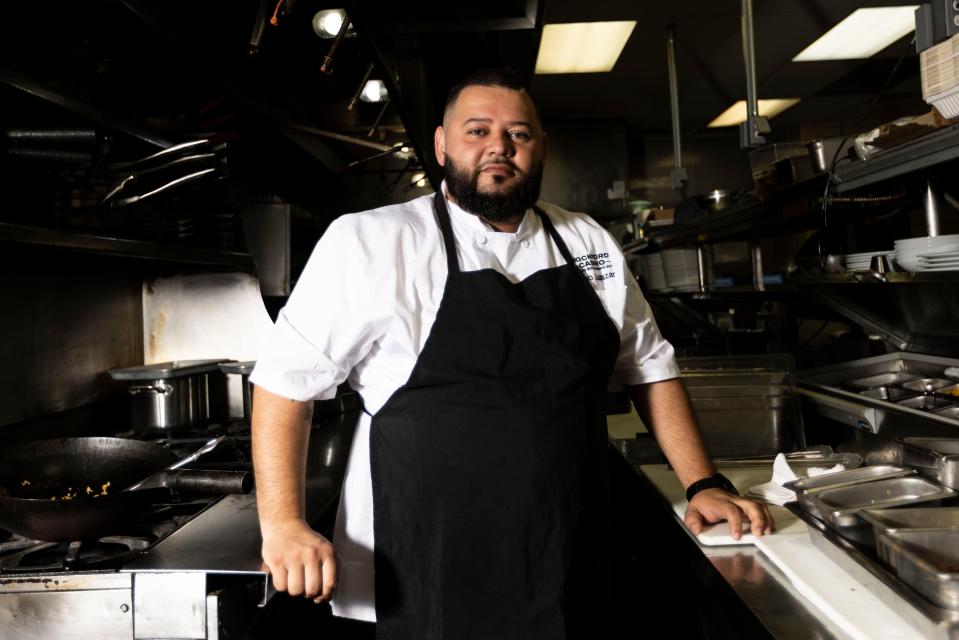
(161, 389)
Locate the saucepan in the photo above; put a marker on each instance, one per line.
(73, 488)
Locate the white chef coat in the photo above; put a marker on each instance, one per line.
(363, 308)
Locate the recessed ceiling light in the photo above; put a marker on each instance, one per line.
(863, 34)
(374, 91)
(582, 47)
(736, 114)
(327, 23)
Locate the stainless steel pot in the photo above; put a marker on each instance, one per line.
(166, 404)
(243, 369)
(169, 395)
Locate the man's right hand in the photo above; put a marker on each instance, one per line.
(300, 560)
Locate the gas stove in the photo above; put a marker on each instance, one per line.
(188, 567)
(168, 571)
(22, 555)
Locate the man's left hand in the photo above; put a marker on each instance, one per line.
(715, 505)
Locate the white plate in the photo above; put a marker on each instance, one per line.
(927, 241)
(869, 254)
(948, 256)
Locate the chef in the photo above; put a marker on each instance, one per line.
(481, 328)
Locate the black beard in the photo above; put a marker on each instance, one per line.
(503, 206)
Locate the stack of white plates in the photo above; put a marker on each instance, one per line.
(653, 270)
(862, 261)
(682, 269)
(945, 261)
(909, 250)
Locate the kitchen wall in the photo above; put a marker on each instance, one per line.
(585, 160)
(64, 323)
(712, 160)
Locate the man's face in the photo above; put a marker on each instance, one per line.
(492, 148)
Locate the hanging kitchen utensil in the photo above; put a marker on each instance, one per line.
(192, 146)
(123, 184)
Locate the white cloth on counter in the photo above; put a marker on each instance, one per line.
(363, 309)
(774, 492)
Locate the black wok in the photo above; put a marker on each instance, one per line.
(51, 466)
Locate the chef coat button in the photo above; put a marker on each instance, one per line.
(482, 239)
(526, 243)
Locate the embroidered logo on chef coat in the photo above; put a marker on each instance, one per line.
(597, 267)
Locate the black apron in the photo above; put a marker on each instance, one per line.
(490, 497)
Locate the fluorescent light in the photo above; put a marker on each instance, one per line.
(582, 47)
(863, 34)
(737, 113)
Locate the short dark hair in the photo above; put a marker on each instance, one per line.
(492, 77)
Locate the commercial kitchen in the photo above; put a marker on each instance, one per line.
(778, 173)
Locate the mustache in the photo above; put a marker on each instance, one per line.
(501, 161)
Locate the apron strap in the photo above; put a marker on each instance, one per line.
(548, 225)
(446, 228)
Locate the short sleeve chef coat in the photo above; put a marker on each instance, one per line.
(363, 308)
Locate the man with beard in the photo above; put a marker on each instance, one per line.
(481, 329)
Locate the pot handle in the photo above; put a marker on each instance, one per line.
(161, 389)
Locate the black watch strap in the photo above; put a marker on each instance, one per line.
(715, 481)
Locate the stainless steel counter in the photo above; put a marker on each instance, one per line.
(770, 595)
(764, 589)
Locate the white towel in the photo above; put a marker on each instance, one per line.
(773, 491)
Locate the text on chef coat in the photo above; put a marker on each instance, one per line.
(596, 266)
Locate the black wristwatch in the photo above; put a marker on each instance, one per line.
(715, 481)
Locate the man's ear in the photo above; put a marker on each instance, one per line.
(545, 146)
(439, 145)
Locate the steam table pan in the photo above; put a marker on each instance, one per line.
(937, 458)
(841, 507)
(927, 560)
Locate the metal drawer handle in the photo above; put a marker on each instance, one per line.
(159, 389)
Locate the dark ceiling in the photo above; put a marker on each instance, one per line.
(177, 70)
(710, 65)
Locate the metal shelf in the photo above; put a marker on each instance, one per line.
(122, 248)
(897, 277)
(925, 152)
(784, 211)
(729, 293)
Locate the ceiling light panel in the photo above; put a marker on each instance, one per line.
(863, 34)
(582, 47)
(736, 114)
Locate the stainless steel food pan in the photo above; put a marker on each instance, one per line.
(927, 403)
(733, 377)
(883, 379)
(926, 385)
(883, 520)
(840, 507)
(894, 520)
(888, 393)
(738, 391)
(937, 458)
(949, 412)
(927, 560)
(849, 477)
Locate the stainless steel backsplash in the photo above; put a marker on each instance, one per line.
(61, 329)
